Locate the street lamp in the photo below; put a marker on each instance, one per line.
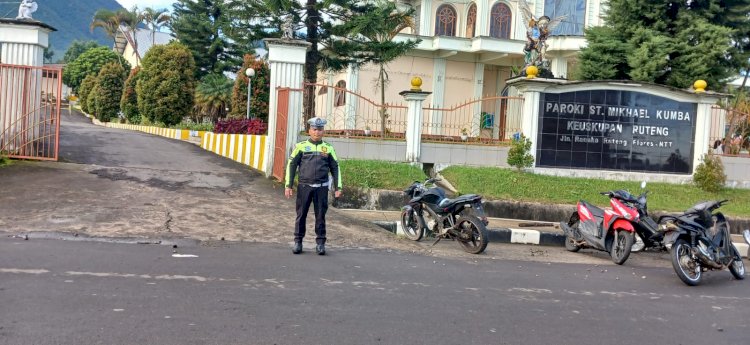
(250, 73)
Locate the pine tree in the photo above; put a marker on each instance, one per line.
(666, 42)
(319, 19)
(203, 27)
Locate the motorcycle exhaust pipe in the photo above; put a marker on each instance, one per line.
(705, 258)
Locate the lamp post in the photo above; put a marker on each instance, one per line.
(250, 73)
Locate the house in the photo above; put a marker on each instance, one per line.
(126, 43)
(468, 49)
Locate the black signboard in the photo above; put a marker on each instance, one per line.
(615, 130)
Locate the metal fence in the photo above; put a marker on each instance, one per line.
(350, 114)
(30, 111)
(729, 132)
(490, 120)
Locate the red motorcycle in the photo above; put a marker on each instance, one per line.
(609, 230)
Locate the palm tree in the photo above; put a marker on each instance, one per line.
(213, 96)
(155, 20)
(110, 22)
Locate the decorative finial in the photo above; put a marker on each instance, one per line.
(531, 72)
(416, 84)
(26, 8)
(700, 86)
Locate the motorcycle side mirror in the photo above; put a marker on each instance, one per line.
(643, 184)
(746, 235)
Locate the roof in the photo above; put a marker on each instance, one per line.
(143, 38)
(26, 22)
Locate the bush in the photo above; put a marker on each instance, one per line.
(260, 90)
(166, 85)
(129, 100)
(518, 155)
(83, 92)
(709, 175)
(91, 100)
(109, 91)
(241, 126)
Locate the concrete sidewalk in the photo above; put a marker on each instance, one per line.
(504, 230)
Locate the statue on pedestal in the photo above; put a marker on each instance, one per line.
(536, 36)
(287, 28)
(26, 8)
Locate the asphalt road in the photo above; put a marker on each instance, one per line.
(65, 292)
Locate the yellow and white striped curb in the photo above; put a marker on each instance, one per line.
(244, 148)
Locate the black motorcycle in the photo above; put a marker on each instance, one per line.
(461, 219)
(700, 241)
(646, 229)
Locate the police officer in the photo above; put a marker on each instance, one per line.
(315, 159)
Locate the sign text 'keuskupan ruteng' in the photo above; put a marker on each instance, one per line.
(615, 130)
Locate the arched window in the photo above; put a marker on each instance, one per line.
(500, 18)
(339, 96)
(445, 25)
(471, 21)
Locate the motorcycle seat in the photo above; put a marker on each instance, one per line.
(445, 203)
(595, 211)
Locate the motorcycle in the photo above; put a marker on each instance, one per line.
(461, 219)
(647, 234)
(700, 241)
(609, 230)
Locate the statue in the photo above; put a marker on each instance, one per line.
(536, 36)
(287, 28)
(26, 8)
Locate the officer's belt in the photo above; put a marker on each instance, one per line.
(318, 185)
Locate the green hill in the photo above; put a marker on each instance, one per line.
(71, 18)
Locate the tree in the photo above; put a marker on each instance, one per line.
(213, 95)
(320, 19)
(129, 99)
(519, 155)
(108, 91)
(77, 48)
(371, 41)
(90, 62)
(259, 92)
(665, 42)
(155, 20)
(48, 54)
(83, 93)
(166, 84)
(202, 26)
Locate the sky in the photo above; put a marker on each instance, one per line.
(155, 4)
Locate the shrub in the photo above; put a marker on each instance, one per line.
(241, 126)
(129, 100)
(109, 91)
(260, 90)
(83, 92)
(91, 100)
(519, 155)
(709, 175)
(166, 86)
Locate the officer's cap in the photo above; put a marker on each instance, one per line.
(317, 122)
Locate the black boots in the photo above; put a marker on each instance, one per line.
(321, 249)
(297, 248)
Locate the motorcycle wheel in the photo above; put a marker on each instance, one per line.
(621, 247)
(570, 244)
(412, 226)
(478, 230)
(737, 267)
(686, 268)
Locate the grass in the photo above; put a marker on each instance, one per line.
(4, 161)
(496, 183)
(379, 174)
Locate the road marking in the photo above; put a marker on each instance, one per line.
(524, 236)
(20, 270)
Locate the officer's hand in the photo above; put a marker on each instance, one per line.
(288, 192)
(337, 194)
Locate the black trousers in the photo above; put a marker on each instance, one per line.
(318, 196)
